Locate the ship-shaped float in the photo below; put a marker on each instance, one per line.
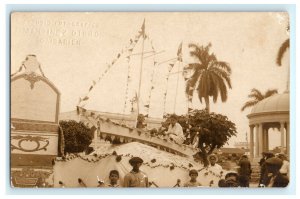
(166, 163)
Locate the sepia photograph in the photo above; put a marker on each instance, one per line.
(149, 99)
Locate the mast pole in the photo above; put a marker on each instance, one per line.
(179, 59)
(141, 72)
(176, 92)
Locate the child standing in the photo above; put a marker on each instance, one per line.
(193, 181)
(113, 178)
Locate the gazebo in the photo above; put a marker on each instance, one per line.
(272, 112)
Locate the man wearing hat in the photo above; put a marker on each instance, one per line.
(285, 168)
(275, 178)
(136, 178)
(263, 172)
(175, 131)
(244, 171)
(213, 166)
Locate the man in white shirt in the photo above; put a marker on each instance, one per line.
(175, 131)
(285, 168)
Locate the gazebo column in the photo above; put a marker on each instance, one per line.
(261, 139)
(282, 133)
(256, 141)
(251, 142)
(265, 139)
(288, 139)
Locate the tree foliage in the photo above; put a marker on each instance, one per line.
(214, 130)
(210, 78)
(77, 136)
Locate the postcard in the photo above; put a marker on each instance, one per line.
(149, 99)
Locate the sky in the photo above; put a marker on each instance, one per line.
(249, 42)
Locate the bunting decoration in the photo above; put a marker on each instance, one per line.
(128, 57)
(97, 157)
(171, 65)
(155, 64)
(129, 48)
(128, 80)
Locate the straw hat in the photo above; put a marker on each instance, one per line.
(135, 160)
(213, 156)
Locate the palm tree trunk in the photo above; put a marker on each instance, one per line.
(207, 103)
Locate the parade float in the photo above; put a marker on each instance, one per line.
(166, 163)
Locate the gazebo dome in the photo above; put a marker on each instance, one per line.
(275, 103)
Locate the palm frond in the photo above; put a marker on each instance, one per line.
(221, 87)
(214, 92)
(283, 48)
(203, 86)
(270, 92)
(223, 65)
(256, 94)
(222, 74)
(196, 66)
(249, 104)
(190, 85)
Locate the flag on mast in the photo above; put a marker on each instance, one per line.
(143, 29)
(179, 52)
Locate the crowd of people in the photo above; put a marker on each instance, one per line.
(137, 178)
(274, 169)
(274, 172)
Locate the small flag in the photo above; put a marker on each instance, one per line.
(170, 67)
(85, 98)
(147, 106)
(179, 52)
(143, 29)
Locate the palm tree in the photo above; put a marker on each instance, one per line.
(210, 77)
(283, 48)
(256, 96)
